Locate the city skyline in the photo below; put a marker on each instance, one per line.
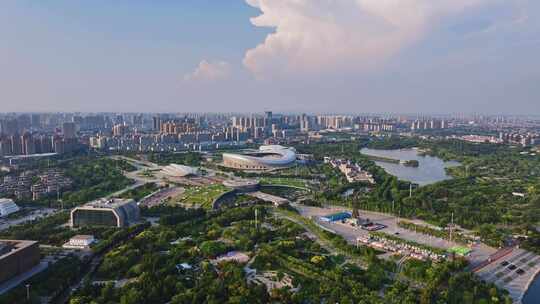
(467, 56)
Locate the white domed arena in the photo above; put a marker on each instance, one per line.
(266, 158)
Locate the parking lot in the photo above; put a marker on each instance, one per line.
(478, 254)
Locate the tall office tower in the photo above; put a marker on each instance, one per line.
(156, 123)
(275, 128)
(58, 144)
(268, 123)
(36, 121)
(93, 123)
(268, 119)
(10, 127)
(28, 145)
(25, 122)
(78, 120)
(36, 142)
(45, 143)
(304, 123)
(69, 129)
(119, 119)
(120, 130)
(5, 146)
(138, 120)
(16, 144)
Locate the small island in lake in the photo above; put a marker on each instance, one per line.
(411, 163)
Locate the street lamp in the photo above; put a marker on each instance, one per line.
(28, 292)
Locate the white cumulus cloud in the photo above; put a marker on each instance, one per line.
(333, 35)
(209, 71)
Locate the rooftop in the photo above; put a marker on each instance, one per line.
(9, 247)
(83, 237)
(110, 203)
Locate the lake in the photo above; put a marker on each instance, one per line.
(430, 170)
(532, 296)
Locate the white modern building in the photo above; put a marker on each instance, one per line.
(175, 170)
(7, 207)
(80, 242)
(106, 212)
(266, 158)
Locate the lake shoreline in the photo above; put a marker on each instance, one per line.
(528, 287)
(427, 169)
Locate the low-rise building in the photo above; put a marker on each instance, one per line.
(352, 171)
(7, 207)
(23, 186)
(80, 242)
(17, 257)
(106, 212)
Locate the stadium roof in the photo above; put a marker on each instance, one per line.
(270, 156)
(176, 170)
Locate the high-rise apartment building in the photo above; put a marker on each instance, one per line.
(16, 144)
(69, 129)
(28, 145)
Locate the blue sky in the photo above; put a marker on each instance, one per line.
(301, 55)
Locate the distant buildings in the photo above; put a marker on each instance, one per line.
(481, 139)
(353, 172)
(17, 257)
(106, 212)
(523, 139)
(431, 124)
(69, 129)
(41, 133)
(50, 182)
(30, 144)
(34, 184)
(7, 207)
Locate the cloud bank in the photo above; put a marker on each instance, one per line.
(318, 36)
(209, 71)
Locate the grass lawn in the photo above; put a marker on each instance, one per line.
(294, 182)
(202, 196)
(461, 251)
(140, 192)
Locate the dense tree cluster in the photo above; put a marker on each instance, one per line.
(51, 282)
(183, 158)
(479, 197)
(93, 177)
(148, 265)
